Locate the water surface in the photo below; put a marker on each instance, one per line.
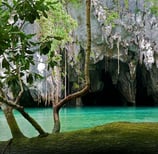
(78, 118)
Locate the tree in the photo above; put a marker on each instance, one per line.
(58, 105)
(55, 37)
(56, 34)
(16, 55)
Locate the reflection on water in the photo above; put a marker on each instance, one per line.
(78, 118)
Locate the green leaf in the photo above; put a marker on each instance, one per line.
(29, 52)
(21, 74)
(45, 47)
(38, 76)
(58, 38)
(11, 79)
(45, 14)
(51, 64)
(30, 78)
(154, 10)
(7, 5)
(5, 64)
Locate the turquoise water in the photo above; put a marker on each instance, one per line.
(78, 118)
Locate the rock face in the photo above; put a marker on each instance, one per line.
(124, 58)
(147, 86)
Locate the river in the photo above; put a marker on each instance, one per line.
(78, 118)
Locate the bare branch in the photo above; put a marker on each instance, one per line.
(10, 103)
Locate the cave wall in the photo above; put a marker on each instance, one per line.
(130, 76)
(147, 86)
(110, 88)
(124, 59)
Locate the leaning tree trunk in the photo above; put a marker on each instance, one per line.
(12, 105)
(9, 105)
(32, 122)
(15, 131)
(56, 107)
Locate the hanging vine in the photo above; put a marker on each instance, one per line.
(118, 56)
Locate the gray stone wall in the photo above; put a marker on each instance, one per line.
(128, 53)
(132, 42)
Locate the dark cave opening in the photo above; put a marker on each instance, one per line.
(108, 96)
(142, 86)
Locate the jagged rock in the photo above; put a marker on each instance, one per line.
(132, 43)
(124, 60)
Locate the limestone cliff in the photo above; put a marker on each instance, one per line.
(124, 58)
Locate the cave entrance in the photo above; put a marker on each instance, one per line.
(143, 86)
(108, 96)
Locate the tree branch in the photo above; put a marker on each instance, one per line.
(21, 87)
(87, 61)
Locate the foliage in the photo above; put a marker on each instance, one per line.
(112, 15)
(154, 6)
(16, 51)
(76, 2)
(126, 4)
(154, 10)
(55, 31)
